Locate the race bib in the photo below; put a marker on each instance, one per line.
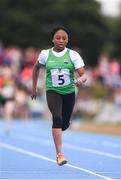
(60, 77)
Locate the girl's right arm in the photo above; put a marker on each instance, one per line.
(35, 74)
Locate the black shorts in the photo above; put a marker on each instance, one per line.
(61, 107)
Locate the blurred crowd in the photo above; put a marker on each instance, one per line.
(99, 99)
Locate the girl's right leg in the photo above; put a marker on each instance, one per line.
(54, 101)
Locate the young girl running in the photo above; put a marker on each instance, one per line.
(61, 63)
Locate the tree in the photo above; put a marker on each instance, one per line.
(29, 23)
(117, 39)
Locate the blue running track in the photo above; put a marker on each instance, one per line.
(28, 152)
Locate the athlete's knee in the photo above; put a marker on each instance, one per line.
(65, 123)
(57, 122)
(65, 126)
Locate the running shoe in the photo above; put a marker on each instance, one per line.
(60, 159)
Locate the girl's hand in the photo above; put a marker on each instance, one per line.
(34, 94)
(80, 81)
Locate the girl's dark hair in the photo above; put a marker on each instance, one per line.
(59, 28)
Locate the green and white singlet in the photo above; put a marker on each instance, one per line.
(60, 70)
(60, 73)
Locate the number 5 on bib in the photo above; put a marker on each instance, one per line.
(60, 77)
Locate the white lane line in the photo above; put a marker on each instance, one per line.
(87, 140)
(29, 153)
(91, 151)
(69, 146)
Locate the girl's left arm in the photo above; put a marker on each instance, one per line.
(81, 76)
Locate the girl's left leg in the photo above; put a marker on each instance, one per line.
(67, 109)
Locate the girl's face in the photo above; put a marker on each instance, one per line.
(60, 40)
